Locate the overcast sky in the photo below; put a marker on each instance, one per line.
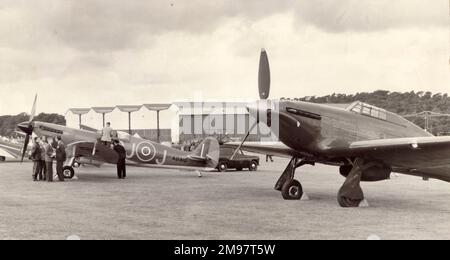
(86, 53)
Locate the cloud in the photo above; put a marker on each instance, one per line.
(373, 15)
(100, 52)
(109, 25)
(103, 24)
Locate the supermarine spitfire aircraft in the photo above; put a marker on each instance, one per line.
(84, 147)
(367, 142)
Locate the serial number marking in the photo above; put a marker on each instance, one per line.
(246, 249)
(225, 250)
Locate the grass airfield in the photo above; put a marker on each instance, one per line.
(165, 204)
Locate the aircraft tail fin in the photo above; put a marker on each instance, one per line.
(209, 151)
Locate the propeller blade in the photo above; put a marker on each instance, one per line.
(25, 147)
(243, 141)
(27, 128)
(264, 75)
(33, 110)
(264, 91)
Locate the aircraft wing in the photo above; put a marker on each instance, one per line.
(93, 151)
(421, 156)
(170, 167)
(5, 154)
(9, 150)
(272, 148)
(107, 155)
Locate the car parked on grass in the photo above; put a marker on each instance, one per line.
(240, 162)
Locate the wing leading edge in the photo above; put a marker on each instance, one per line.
(276, 149)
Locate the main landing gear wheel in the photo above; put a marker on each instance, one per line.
(68, 172)
(253, 166)
(348, 202)
(350, 195)
(222, 167)
(292, 190)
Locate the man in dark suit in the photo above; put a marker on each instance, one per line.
(43, 167)
(60, 158)
(121, 167)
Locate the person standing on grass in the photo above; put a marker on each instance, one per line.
(60, 157)
(43, 168)
(35, 156)
(48, 160)
(121, 166)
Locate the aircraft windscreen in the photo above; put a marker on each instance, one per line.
(368, 110)
(124, 137)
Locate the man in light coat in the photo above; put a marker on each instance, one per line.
(35, 156)
(49, 160)
(107, 134)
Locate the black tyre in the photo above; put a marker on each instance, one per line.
(222, 167)
(292, 190)
(68, 172)
(347, 202)
(253, 166)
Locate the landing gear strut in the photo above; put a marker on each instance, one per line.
(290, 188)
(351, 194)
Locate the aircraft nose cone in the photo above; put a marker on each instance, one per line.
(259, 108)
(26, 127)
(23, 126)
(252, 108)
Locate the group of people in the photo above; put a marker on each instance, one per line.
(46, 150)
(43, 152)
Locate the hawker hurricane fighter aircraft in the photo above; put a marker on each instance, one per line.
(84, 147)
(367, 142)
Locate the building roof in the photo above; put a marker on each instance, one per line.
(211, 108)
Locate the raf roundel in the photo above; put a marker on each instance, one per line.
(145, 151)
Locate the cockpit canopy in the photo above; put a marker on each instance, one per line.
(368, 110)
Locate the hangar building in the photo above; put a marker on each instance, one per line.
(179, 122)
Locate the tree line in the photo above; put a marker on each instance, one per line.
(8, 123)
